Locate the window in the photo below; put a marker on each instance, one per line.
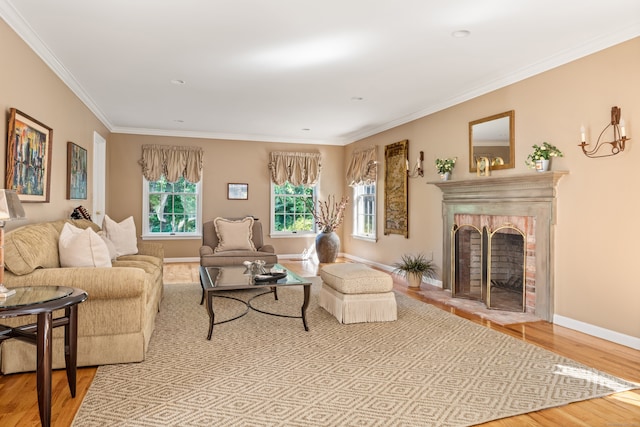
(291, 208)
(171, 209)
(364, 211)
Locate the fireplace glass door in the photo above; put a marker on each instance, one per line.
(489, 266)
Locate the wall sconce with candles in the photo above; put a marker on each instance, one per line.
(417, 168)
(619, 137)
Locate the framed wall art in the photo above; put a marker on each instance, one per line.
(28, 157)
(396, 215)
(237, 191)
(76, 172)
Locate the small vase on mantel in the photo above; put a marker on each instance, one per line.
(327, 247)
(445, 176)
(542, 165)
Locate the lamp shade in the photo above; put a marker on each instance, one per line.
(10, 206)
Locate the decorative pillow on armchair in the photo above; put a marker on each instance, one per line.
(234, 235)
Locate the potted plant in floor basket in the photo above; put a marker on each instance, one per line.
(541, 156)
(415, 268)
(445, 167)
(328, 217)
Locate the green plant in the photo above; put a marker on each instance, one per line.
(445, 165)
(415, 264)
(544, 152)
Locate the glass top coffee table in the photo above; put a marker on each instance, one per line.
(214, 280)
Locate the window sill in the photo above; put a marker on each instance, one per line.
(291, 236)
(171, 237)
(365, 238)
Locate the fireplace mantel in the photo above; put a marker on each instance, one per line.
(530, 186)
(531, 195)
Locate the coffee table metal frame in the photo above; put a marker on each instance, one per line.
(211, 288)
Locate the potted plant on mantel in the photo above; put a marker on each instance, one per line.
(445, 167)
(541, 156)
(328, 217)
(415, 268)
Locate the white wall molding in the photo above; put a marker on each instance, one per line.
(597, 331)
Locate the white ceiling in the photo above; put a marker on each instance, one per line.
(329, 72)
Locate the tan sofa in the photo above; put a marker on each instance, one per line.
(116, 321)
(210, 258)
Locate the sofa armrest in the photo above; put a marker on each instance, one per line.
(206, 250)
(267, 248)
(152, 249)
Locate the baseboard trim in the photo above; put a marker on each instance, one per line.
(597, 331)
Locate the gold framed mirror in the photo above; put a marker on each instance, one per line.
(492, 139)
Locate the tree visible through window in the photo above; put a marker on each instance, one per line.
(291, 213)
(172, 208)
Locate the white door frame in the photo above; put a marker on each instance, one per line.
(99, 177)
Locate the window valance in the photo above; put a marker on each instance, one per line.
(362, 168)
(296, 168)
(172, 162)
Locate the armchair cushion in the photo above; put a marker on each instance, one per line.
(234, 235)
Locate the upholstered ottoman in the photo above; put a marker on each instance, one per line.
(356, 293)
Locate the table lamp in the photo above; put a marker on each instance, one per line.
(10, 209)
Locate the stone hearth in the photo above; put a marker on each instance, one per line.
(532, 195)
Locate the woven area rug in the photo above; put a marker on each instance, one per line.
(429, 368)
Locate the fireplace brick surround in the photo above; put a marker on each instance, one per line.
(531, 195)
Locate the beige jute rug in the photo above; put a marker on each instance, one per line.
(429, 368)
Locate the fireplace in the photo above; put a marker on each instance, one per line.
(489, 260)
(498, 240)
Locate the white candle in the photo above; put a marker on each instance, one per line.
(622, 131)
(582, 135)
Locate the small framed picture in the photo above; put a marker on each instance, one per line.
(237, 191)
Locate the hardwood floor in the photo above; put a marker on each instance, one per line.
(19, 405)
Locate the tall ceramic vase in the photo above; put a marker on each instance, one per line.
(327, 247)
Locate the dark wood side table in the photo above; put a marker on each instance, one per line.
(42, 301)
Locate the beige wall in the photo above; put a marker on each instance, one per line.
(596, 236)
(224, 162)
(597, 203)
(30, 86)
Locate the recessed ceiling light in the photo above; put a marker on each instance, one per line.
(357, 98)
(461, 34)
(178, 82)
(179, 121)
(306, 129)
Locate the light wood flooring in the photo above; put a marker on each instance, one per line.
(19, 406)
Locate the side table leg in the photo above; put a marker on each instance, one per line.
(71, 347)
(43, 367)
(211, 313)
(305, 304)
(202, 285)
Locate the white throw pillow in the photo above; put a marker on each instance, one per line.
(122, 234)
(82, 248)
(113, 253)
(234, 235)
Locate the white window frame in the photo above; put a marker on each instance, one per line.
(358, 205)
(147, 235)
(275, 233)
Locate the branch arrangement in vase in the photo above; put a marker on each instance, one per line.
(330, 213)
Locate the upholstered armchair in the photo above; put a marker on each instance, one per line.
(233, 241)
